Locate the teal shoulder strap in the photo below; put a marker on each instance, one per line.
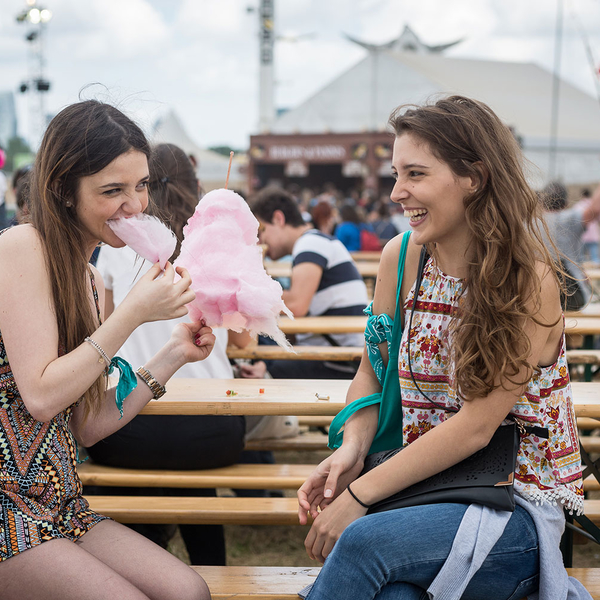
(389, 427)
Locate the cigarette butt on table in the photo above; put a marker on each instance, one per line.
(319, 397)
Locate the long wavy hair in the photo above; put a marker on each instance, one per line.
(80, 141)
(173, 187)
(502, 290)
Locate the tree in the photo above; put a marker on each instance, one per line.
(18, 153)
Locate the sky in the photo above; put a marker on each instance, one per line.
(200, 57)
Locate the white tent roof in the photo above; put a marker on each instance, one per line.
(363, 97)
(520, 93)
(212, 167)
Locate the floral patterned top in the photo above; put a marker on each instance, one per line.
(547, 470)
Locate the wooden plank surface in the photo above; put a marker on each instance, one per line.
(334, 324)
(582, 325)
(197, 510)
(291, 397)
(283, 583)
(256, 583)
(243, 476)
(280, 397)
(310, 441)
(330, 353)
(361, 255)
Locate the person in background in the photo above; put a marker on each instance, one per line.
(324, 281)
(591, 235)
(566, 227)
(170, 441)
(379, 219)
(348, 230)
(3, 189)
(20, 186)
(92, 166)
(324, 217)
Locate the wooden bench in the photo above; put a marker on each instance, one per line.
(309, 440)
(579, 356)
(582, 356)
(328, 353)
(283, 583)
(221, 510)
(243, 476)
(193, 510)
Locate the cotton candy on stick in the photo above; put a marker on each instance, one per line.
(147, 235)
(220, 250)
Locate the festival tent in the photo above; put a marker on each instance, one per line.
(362, 98)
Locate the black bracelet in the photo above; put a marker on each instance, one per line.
(354, 496)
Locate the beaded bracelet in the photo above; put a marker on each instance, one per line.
(359, 501)
(103, 356)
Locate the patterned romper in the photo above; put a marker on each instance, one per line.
(40, 491)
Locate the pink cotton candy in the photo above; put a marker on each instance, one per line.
(220, 250)
(147, 235)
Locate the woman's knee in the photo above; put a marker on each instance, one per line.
(186, 584)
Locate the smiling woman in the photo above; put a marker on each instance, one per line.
(482, 343)
(92, 167)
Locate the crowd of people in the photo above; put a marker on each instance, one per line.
(480, 294)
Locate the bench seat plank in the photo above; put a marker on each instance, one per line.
(329, 353)
(243, 476)
(197, 510)
(283, 583)
(310, 440)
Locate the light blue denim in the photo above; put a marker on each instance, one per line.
(395, 555)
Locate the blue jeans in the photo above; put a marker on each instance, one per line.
(397, 554)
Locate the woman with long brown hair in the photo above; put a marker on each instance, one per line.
(483, 342)
(92, 166)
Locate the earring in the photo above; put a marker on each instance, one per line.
(68, 204)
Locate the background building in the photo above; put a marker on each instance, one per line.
(308, 140)
(8, 118)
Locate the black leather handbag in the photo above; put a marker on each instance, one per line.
(485, 477)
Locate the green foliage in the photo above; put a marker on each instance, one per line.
(224, 150)
(18, 153)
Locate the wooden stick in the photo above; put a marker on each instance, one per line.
(229, 168)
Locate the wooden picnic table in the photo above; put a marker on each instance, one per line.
(581, 324)
(329, 353)
(324, 324)
(591, 310)
(291, 397)
(366, 268)
(366, 255)
(280, 397)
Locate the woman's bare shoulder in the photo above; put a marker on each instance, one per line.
(22, 242)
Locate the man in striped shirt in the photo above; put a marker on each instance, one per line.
(324, 281)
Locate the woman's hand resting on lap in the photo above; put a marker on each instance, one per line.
(328, 481)
(330, 524)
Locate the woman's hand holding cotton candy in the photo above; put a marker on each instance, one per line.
(193, 341)
(157, 297)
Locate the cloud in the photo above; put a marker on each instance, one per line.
(200, 57)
